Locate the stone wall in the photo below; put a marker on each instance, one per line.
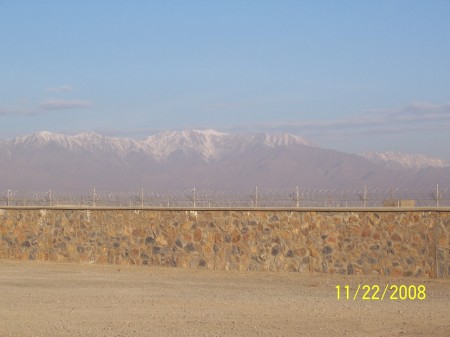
(396, 243)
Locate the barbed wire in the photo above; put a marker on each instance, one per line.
(259, 197)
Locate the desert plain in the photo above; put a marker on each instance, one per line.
(60, 299)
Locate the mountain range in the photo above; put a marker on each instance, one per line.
(206, 159)
(400, 161)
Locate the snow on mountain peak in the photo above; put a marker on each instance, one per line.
(211, 132)
(206, 142)
(212, 144)
(86, 141)
(209, 144)
(397, 160)
(284, 139)
(40, 137)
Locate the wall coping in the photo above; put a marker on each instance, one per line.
(245, 209)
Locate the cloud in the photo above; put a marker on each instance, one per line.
(44, 107)
(422, 112)
(414, 117)
(61, 88)
(12, 111)
(63, 104)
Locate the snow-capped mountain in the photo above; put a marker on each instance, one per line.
(400, 161)
(87, 141)
(206, 159)
(208, 144)
(212, 144)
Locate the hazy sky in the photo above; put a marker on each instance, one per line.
(349, 75)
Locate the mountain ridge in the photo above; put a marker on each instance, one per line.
(399, 160)
(192, 158)
(210, 143)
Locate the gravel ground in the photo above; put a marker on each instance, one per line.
(49, 299)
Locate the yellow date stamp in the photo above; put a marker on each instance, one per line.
(379, 293)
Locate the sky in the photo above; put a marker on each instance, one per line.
(349, 75)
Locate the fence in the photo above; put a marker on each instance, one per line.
(294, 197)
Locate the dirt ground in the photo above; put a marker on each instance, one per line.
(48, 299)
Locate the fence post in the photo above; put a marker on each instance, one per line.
(365, 196)
(437, 195)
